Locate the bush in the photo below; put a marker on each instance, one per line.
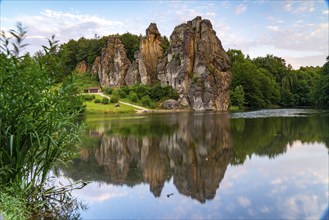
(116, 92)
(105, 101)
(114, 99)
(141, 90)
(108, 91)
(133, 96)
(146, 101)
(97, 101)
(122, 94)
(126, 89)
(153, 105)
(88, 97)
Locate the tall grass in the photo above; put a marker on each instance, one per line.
(36, 125)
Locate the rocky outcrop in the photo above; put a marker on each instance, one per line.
(82, 67)
(170, 104)
(96, 67)
(111, 67)
(144, 68)
(197, 66)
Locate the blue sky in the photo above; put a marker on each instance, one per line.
(294, 30)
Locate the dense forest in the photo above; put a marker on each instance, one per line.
(269, 82)
(262, 82)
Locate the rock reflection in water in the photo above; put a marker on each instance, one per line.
(196, 153)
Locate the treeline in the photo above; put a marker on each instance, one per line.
(263, 82)
(74, 51)
(268, 82)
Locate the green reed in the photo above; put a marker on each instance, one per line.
(37, 124)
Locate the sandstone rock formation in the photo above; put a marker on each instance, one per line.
(197, 66)
(144, 68)
(111, 67)
(82, 67)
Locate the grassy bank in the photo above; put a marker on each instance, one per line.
(92, 107)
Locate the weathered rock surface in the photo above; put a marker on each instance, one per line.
(111, 67)
(197, 66)
(82, 67)
(170, 104)
(144, 68)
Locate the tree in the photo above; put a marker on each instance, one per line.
(237, 96)
(131, 44)
(321, 94)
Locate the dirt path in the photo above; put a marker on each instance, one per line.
(125, 103)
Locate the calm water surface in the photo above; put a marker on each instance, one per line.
(263, 164)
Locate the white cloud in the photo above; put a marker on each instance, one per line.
(298, 6)
(243, 201)
(240, 9)
(325, 12)
(65, 26)
(273, 28)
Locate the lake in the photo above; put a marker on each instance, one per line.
(267, 164)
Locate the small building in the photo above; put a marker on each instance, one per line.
(93, 90)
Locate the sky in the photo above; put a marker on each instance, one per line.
(294, 30)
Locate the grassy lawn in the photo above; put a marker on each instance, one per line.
(92, 107)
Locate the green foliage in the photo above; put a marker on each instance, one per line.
(146, 101)
(109, 90)
(122, 93)
(237, 96)
(97, 101)
(115, 92)
(114, 99)
(131, 44)
(88, 97)
(133, 96)
(321, 93)
(73, 52)
(105, 101)
(267, 81)
(37, 124)
(164, 44)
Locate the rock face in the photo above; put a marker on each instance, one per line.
(197, 66)
(144, 68)
(82, 67)
(111, 67)
(170, 104)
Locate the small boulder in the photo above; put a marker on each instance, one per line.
(170, 104)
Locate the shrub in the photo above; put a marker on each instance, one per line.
(97, 101)
(146, 101)
(88, 97)
(109, 91)
(153, 105)
(116, 92)
(105, 101)
(122, 94)
(126, 89)
(114, 99)
(141, 90)
(133, 96)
